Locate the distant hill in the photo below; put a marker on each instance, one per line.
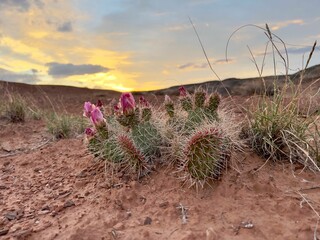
(234, 86)
(249, 86)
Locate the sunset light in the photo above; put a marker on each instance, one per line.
(146, 45)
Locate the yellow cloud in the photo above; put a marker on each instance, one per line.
(17, 46)
(38, 34)
(278, 25)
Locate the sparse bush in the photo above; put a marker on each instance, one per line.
(15, 109)
(277, 131)
(64, 125)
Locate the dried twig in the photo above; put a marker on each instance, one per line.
(26, 150)
(184, 210)
(306, 200)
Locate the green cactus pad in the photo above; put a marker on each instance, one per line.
(199, 98)
(147, 139)
(205, 155)
(133, 159)
(186, 103)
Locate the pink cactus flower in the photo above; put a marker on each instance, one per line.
(87, 109)
(127, 102)
(90, 132)
(183, 92)
(97, 118)
(143, 102)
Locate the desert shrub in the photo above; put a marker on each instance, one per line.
(64, 125)
(15, 109)
(276, 129)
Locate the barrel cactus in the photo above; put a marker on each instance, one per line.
(205, 155)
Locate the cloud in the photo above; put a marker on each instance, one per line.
(292, 50)
(69, 69)
(23, 77)
(65, 27)
(193, 65)
(20, 5)
(180, 27)
(300, 50)
(203, 65)
(278, 25)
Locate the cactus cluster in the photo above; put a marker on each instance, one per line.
(199, 146)
(127, 137)
(189, 135)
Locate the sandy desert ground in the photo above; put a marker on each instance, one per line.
(53, 189)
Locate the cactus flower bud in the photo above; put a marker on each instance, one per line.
(87, 109)
(127, 102)
(183, 92)
(97, 118)
(143, 102)
(90, 132)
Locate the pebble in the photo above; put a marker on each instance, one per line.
(23, 233)
(3, 231)
(69, 203)
(43, 212)
(11, 215)
(119, 226)
(164, 204)
(147, 221)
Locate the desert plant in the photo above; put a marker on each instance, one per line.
(15, 109)
(200, 136)
(128, 138)
(205, 155)
(64, 125)
(276, 130)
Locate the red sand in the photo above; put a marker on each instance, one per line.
(58, 191)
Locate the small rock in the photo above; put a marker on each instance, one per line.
(6, 147)
(147, 221)
(45, 208)
(43, 227)
(20, 214)
(82, 174)
(43, 212)
(247, 225)
(119, 226)
(6, 163)
(2, 187)
(104, 185)
(164, 204)
(3, 231)
(23, 233)
(11, 215)
(69, 203)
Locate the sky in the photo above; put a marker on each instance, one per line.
(137, 45)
